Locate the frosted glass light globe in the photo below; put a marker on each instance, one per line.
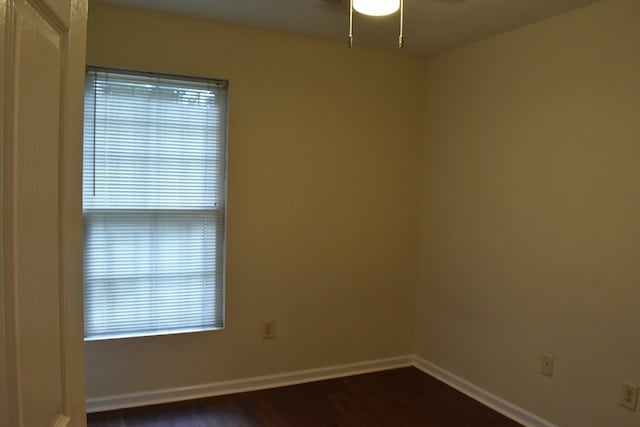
(376, 7)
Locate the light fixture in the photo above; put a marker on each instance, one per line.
(377, 8)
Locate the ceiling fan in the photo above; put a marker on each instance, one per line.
(377, 8)
(371, 8)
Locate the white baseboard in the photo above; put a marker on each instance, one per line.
(176, 394)
(494, 402)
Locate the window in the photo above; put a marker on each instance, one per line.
(153, 203)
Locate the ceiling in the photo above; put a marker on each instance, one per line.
(430, 25)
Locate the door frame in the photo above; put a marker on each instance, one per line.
(69, 16)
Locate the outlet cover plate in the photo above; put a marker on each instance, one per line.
(268, 329)
(546, 364)
(629, 397)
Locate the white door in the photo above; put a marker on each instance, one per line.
(42, 45)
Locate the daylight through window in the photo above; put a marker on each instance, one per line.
(153, 203)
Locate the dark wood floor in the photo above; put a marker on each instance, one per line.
(399, 397)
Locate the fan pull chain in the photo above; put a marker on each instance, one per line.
(401, 37)
(351, 23)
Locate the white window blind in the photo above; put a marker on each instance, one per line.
(153, 203)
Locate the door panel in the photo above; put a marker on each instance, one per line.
(36, 151)
(61, 9)
(41, 294)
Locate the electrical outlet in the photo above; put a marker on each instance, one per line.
(629, 396)
(268, 329)
(546, 365)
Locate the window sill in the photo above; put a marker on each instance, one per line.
(143, 334)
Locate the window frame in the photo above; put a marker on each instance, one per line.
(219, 244)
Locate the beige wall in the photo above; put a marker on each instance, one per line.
(323, 200)
(531, 214)
(530, 205)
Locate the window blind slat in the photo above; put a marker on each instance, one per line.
(154, 204)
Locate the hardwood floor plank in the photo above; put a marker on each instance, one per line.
(403, 397)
